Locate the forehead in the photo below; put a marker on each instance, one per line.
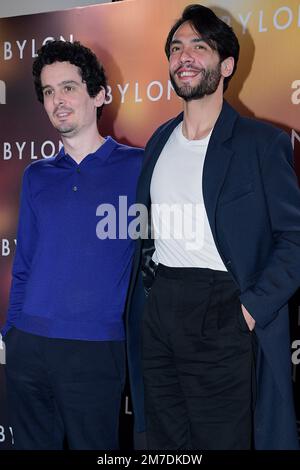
(60, 71)
(185, 31)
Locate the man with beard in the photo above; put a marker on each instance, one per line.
(64, 334)
(223, 260)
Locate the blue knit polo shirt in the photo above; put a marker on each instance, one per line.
(67, 281)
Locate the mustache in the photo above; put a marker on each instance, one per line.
(189, 67)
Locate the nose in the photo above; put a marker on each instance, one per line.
(186, 56)
(58, 98)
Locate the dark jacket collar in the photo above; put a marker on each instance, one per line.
(222, 131)
(223, 127)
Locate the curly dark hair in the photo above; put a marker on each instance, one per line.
(92, 72)
(215, 32)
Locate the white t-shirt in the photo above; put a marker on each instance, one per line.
(180, 225)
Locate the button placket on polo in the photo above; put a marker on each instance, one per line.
(76, 179)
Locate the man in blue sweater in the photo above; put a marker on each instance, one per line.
(64, 333)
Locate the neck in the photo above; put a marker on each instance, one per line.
(200, 116)
(78, 147)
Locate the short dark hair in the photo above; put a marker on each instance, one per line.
(215, 32)
(92, 72)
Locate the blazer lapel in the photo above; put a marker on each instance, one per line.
(216, 163)
(217, 160)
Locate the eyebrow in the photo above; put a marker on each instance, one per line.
(194, 40)
(64, 82)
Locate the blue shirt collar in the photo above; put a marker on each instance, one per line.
(102, 152)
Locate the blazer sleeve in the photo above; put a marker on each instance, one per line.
(281, 276)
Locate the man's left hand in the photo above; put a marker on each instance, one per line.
(249, 320)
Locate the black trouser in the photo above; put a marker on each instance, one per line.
(197, 362)
(64, 390)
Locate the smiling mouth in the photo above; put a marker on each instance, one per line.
(187, 74)
(62, 114)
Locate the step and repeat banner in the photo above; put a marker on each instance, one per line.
(128, 38)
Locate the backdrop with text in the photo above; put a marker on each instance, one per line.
(128, 38)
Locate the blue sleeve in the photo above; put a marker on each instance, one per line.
(26, 243)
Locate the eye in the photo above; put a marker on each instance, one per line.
(47, 92)
(69, 88)
(174, 49)
(200, 46)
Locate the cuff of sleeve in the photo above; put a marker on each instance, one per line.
(256, 306)
(5, 329)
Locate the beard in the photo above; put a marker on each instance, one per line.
(207, 85)
(65, 129)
